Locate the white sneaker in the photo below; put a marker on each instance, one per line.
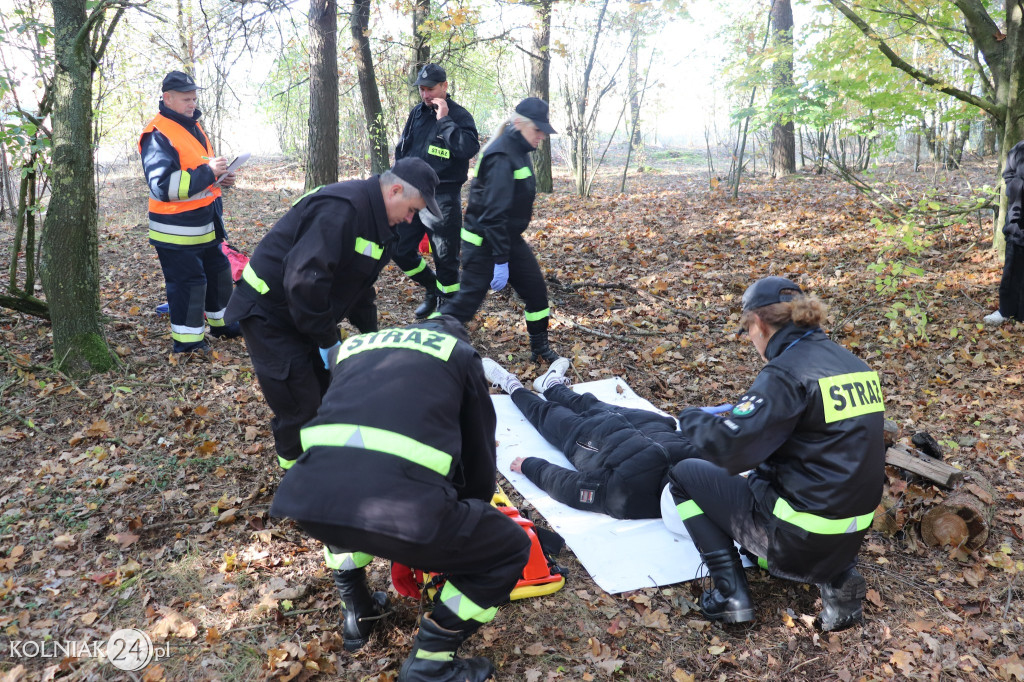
(995, 318)
(500, 377)
(555, 375)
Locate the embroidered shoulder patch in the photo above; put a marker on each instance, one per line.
(587, 496)
(747, 405)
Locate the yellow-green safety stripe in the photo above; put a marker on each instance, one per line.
(850, 395)
(346, 561)
(184, 181)
(442, 656)
(285, 464)
(813, 523)
(187, 338)
(522, 173)
(253, 280)
(367, 248)
(439, 151)
(312, 191)
(181, 239)
(427, 341)
(416, 270)
(447, 289)
(539, 315)
(688, 509)
(474, 239)
(378, 440)
(464, 607)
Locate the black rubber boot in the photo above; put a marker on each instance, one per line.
(432, 658)
(730, 600)
(540, 349)
(360, 610)
(841, 601)
(428, 306)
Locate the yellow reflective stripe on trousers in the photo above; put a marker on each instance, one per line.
(346, 561)
(539, 315)
(441, 656)
(416, 270)
(688, 509)
(367, 248)
(449, 289)
(181, 240)
(464, 607)
(813, 523)
(474, 239)
(427, 341)
(850, 395)
(253, 280)
(378, 440)
(522, 173)
(285, 464)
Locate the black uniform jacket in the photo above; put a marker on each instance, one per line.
(622, 460)
(318, 260)
(1013, 175)
(502, 192)
(385, 456)
(812, 426)
(447, 145)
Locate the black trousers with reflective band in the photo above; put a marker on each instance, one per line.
(1011, 286)
(445, 240)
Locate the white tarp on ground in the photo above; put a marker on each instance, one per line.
(619, 555)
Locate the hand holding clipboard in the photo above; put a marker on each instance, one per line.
(235, 164)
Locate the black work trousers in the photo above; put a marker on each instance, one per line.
(524, 276)
(725, 509)
(483, 560)
(1011, 286)
(198, 284)
(565, 418)
(445, 240)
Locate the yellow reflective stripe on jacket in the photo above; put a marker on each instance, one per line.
(158, 236)
(813, 523)
(346, 561)
(464, 607)
(850, 395)
(367, 248)
(426, 341)
(378, 440)
(253, 280)
(416, 270)
(439, 151)
(285, 464)
(688, 509)
(312, 191)
(474, 239)
(522, 173)
(539, 315)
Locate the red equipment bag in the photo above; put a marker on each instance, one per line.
(237, 259)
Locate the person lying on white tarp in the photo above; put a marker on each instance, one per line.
(622, 455)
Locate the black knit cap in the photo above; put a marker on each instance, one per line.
(420, 175)
(536, 109)
(767, 291)
(430, 75)
(179, 81)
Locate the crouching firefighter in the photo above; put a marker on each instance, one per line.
(811, 427)
(392, 471)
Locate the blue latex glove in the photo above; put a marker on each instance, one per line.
(717, 409)
(325, 351)
(500, 278)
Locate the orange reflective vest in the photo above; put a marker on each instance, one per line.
(162, 225)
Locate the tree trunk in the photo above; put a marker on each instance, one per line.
(420, 46)
(540, 83)
(1013, 123)
(70, 245)
(373, 111)
(783, 150)
(634, 79)
(322, 145)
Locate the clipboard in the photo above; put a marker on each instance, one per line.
(235, 164)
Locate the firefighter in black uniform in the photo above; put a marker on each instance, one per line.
(314, 268)
(622, 455)
(811, 428)
(499, 211)
(391, 471)
(442, 133)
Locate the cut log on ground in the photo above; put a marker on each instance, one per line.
(961, 521)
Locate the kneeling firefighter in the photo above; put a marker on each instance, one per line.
(811, 427)
(392, 471)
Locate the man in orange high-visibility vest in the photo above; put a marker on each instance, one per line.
(185, 216)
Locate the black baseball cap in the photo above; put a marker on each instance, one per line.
(536, 109)
(179, 81)
(430, 75)
(767, 291)
(420, 175)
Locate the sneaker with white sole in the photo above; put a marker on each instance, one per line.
(500, 377)
(555, 375)
(995, 318)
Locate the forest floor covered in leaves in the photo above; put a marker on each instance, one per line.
(138, 498)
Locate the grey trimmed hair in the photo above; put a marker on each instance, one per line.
(388, 178)
(512, 119)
